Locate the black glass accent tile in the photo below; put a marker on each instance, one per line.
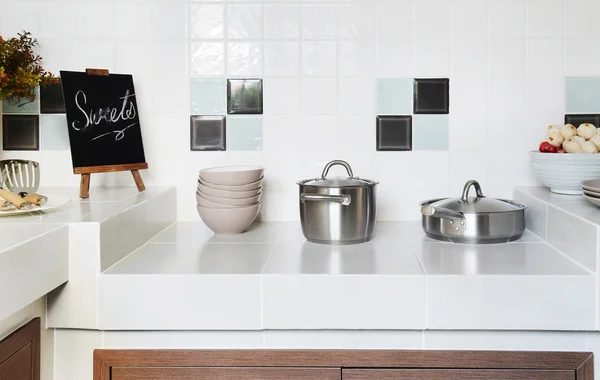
(577, 119)
(394, 132)
(21, 132)
(431, 96)
(244, 96)
(51, 99)
(207, 132)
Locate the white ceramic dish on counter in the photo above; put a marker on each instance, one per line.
(229, 221)
(230, 201)
(226, 193)
(54, 202)
(232, 175)
(247, 187)
(593, 200)
(563, 173)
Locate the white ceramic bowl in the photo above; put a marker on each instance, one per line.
(232, 175)
(593, 200)
(576, 159)
(250, 186)
(230, 201)
(591, 185)
(201, 201)
(592, 194)
(563, 173)
(229, 221)
(228, 194)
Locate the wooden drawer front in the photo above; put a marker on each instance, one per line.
(456, 374)
(224, 373)
(19, 366)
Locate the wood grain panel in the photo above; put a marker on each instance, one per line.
(179, 373)
(456, 374)
(27, 335)
(19, 366)
(344, 358)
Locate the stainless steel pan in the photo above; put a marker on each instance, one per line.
(476, 220)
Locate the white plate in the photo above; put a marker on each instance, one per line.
(54, 201)
(595, 201)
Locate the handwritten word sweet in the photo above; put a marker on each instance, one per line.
(91, 118)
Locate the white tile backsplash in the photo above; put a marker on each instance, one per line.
(506, 60)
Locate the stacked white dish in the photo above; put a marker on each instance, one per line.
(563, 173)
(591, 191)
(229, 197)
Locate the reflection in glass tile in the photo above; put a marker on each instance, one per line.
(207, 96)
(282, 58)
(51, 99)
(207, 132)
(22, 105)
(431, 96)
(282, 21)
(394, 132)
(244, 58)
(319, 21)
(206, 21)
(20, 132)
(579, 119)
(319, 58)
(430, 132)
(244, 96)
(244, 21)
(244, 133)
(207, 58)
(54, 132)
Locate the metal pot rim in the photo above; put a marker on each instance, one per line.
(520, 206)
(368, 183)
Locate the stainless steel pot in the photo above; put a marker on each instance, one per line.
(477, 220)
(339, 210)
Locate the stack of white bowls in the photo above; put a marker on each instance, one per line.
(229, 197)
(591, 190)
(564, 172)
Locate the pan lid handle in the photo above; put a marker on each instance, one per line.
(337, 162)
(465, 194)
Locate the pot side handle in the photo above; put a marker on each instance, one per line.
(343, 199)
(441, 213)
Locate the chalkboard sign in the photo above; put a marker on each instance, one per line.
(103, 123)
(102, 115)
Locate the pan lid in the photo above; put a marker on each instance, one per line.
(477, 204)
(335, 182)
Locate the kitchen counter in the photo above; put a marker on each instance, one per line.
(271, 278)
(34, 249)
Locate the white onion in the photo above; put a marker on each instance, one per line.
(571, 145)
(554, 128)
(586, 130)
(568, 130)
(555, 139)
(589, 147)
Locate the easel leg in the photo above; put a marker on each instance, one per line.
(139, 182)
(84, 187)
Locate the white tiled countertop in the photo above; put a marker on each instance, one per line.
(272, 278)
(34, 248)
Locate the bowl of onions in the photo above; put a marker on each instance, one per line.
(567, 156)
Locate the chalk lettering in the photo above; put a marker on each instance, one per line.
(127, 111)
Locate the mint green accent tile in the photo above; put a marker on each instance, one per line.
(208, 96)
(582, 94)
(394, 96)
(53, 129)
(244, 133)
(430, 132)
(22, 105)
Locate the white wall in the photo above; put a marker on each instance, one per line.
(506, 61)
(21, 317)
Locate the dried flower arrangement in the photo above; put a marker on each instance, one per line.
(21, 70)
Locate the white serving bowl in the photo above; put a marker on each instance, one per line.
(232, 175)
(230, 201)
(592, 194)
(228, 194)
(591, 185)
(229, 221)
(201, 201)
(563, 173)
(250, 186)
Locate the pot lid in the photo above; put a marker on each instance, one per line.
(477, 204)
(350, 181)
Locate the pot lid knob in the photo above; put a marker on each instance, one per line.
(465, 193)
(337, 162)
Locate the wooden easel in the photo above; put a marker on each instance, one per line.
(86, 172)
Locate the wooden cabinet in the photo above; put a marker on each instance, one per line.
(20, 353)
(340, 365)
(225, 373)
